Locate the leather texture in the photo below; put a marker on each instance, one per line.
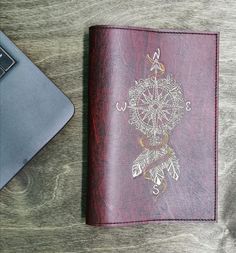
(118, 58)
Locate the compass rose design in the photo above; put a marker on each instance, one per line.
(156, 105)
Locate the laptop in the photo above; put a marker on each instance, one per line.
(32, 110)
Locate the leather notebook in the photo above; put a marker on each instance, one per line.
(152, 148)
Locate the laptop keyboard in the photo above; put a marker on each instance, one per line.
(6, 62)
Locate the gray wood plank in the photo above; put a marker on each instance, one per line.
(42, 209)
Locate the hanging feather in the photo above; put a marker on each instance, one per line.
(143, 160)
(136, 170)
(173, 169)
(157, 175)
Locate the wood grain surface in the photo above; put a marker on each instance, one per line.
(42, 209)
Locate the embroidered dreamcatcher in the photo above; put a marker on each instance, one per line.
(156, 105)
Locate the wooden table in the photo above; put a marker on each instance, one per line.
(42, 209)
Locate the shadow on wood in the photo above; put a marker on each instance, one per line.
(85, 124)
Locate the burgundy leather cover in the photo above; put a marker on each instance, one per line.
(152, 92)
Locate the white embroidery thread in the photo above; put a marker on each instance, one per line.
(156, 105)
(121, 108)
